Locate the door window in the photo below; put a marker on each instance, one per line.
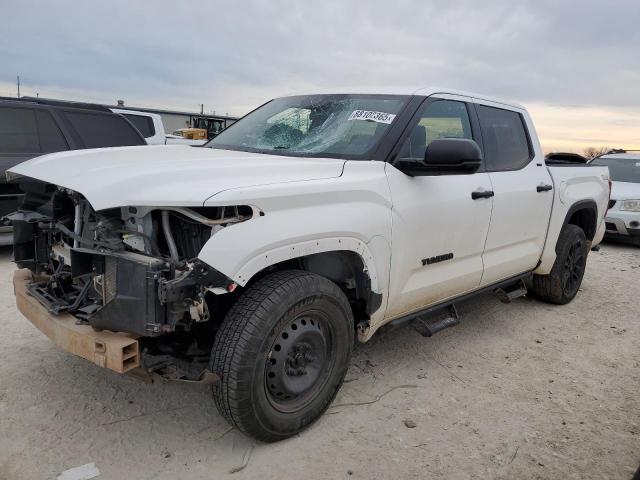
(99, 130)
(18, 131)
(439, 119)
(51, 138)
(143, 123)
(506, 145)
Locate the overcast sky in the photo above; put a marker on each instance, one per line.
(575, 63)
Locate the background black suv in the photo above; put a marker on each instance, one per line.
(30, 127)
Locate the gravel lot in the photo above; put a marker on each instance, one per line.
(525, 390)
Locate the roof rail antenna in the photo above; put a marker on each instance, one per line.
(62, 103)
(622, 150)
(614, 151)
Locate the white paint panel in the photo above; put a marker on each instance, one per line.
(573, 185)
(435, 215)
(352, 213)
(518, 223)
(168, 175)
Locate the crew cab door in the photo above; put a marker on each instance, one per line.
(438, 229)
(523, 192)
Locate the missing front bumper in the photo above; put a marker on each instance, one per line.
(116, 351)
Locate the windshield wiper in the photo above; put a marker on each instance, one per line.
(281, 147)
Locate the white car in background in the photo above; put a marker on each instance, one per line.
(623, 217)
(152, 129)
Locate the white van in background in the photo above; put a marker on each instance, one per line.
(152, 129)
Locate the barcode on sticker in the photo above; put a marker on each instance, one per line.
(380, 117)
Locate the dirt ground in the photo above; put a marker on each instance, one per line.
(518, 391)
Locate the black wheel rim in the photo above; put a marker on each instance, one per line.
(573, 268)
(299, 362)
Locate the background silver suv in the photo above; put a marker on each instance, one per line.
(623, 217)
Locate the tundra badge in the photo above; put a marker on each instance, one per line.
(437, 258)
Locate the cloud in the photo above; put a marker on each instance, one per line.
(576, 128)
(234, 55)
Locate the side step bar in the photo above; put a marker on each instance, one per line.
(506, 290)
(428, 327)
(510, 293)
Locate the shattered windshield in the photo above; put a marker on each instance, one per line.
(344, 126)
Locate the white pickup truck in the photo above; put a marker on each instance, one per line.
(314, 220)
(151, 127)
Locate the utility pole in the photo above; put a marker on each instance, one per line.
(202, 109)
(18, 86)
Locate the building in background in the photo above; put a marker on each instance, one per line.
(172, 119)
(175, 120)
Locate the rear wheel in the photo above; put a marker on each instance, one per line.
(282, 353)
(561, 285)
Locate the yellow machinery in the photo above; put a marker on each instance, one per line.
(192, 133)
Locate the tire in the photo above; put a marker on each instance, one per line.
(282, 353)
(561, 285)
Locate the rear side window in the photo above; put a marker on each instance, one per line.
(506, 145)
(142, 123)
(51, 138)
(97, 130)
(18, 131)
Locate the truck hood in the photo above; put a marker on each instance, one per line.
(168, 175)
(625, 191)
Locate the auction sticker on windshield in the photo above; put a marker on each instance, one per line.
(380, 117)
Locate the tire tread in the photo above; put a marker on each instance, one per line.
(548, 288)
(244, 327)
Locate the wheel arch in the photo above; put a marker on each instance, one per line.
(583, 214)
(348, 262)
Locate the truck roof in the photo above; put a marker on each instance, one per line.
(410, 90)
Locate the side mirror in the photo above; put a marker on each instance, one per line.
(446, 156)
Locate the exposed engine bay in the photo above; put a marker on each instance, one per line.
(130, 269)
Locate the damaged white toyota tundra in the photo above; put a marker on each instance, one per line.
(255, 261)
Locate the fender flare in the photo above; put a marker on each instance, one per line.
(301, 249)
(581, 205)
(549, 252)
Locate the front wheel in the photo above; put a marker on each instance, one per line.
(561, 285)
(282, 353)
